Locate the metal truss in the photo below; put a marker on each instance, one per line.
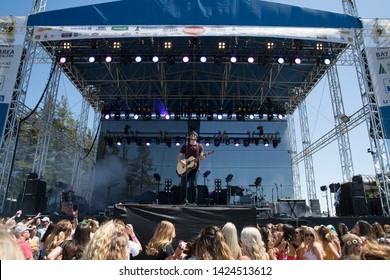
(308, 160)
(48, 113)
(293, 151)
(340, 117)
(378, 144)
(9, 140)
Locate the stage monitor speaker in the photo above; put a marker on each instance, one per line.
(178, 195)
(220, 198)
(164, 198)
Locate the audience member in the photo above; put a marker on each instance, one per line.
(210, 245)
(22, 234)
(9, 248)
(252, 245)
(229, 232)
(110, 242)
(159, 246)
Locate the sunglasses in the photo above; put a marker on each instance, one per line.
(309, 234)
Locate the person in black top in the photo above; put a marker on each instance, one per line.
(192, 153)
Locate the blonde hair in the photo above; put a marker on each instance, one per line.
(252, 244)
(110, 242)
(349, 241)
(9, 248)
(162, 237)
(229, 232)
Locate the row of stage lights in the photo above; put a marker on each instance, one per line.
(177, 141)
(256, 138)
(261, 60)
(321, 56)
(239, 115)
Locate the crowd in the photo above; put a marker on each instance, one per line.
(38, 238)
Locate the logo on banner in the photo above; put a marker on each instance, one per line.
(7, 28)
(387, 85)
(382, 69)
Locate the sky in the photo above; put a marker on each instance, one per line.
(326, 162)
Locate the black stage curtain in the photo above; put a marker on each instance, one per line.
(188, 220)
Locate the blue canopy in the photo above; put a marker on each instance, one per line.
(190, 12)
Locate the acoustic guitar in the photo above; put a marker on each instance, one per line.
(191, 164)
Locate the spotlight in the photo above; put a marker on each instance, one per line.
(106, 116)
(186, 59)
(217, 142)
(62, 59)
(251, 59)
(177, 141)
(148, 142)
(155, 59)
(266, 142)
(138, 59)
(326, 60)
(219, 115)
(108, 59)
(136, 116)
(280, 60)
(91, 59)
(246, 142)
(229, 115)
(233, 59)
(203, 59)
(236, 142)
(298, 60)
(207, 141)
(167, 116)
(119, 142)
(227, 141)
(117, 115)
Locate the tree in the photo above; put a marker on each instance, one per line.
(140, 169)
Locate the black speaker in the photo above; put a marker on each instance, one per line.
(35, 186)
(147, 197)
(220, 198)
(164, 198)
(178, 195)
(203, 194)
(34, 203)
(351, 189)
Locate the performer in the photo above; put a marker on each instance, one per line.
(192, 150)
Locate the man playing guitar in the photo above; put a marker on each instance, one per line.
(191, 149)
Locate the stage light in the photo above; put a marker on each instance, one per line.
(62, 59)
(119, 142)
(186, 59)
(280, 116)
(221, 45)
(148, 142)
(266, 142)
(263, 60)
(270, 116)
(167, 116)
(203, 59)
(297, 60)
(108, 59)
(136, 116)
(155, 59)
(167, 45)
(138, 141)
(210, 116)
(270, 45)
(280, 60)
(219, 115)
(106, 116)
(275, 143)
(116, 45)
(138, 59)
(229, 115)
(177, 116)
(251, 116)
(207, 141)
(217, 141)
(227, 141)
(327, 59)
(91, 59)
(66, 45)
(117, 115)
(233, 59)
(168, 141)
(236, 142)
(246, 142)
(251, 59)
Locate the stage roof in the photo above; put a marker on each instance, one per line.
(217, 30)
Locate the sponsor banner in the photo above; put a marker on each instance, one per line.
(54, 33)
(376, 32)
(12, 36)
(378, 60)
